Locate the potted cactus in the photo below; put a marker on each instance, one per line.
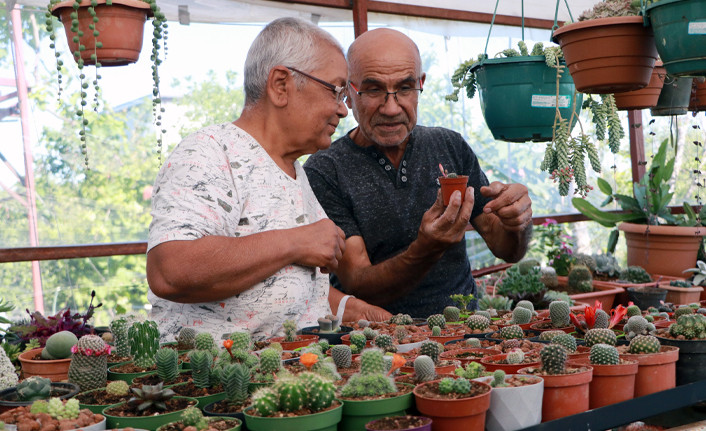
(52, 360)
(510, 362)
(32, 389)
(329, 329)
(144, 343)
(656, 364)
(451, 182)
(305, 401)
(559, 312)
(89, 363)
(96, 400)
(432, 349)
(613, 378)
(193, 419)
(515, 401)
(453, 403)
(689, 335)
(565, 387)
(291, 340)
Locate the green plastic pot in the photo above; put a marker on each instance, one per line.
(323, 421)
(518, 97)
(204, 400)
(127, 377)
(144, 422)
(674, 97)
(95, 408)
(680, 35)
(217, 418)
(357, 413)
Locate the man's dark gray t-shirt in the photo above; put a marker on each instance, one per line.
(365, 195)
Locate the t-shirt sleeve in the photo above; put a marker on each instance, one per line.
(193, 197)
(321, 173)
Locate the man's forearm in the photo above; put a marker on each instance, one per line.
(510, 246)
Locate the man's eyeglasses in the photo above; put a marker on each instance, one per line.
(338, 92)
(377, 95)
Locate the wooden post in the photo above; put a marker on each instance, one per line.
(637, 144)
(360, 17)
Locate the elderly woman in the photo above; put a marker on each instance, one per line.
(238, 241)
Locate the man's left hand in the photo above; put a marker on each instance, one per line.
(357, 309)
(511, 204)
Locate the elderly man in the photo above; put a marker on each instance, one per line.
(405, 250)
(238, 241)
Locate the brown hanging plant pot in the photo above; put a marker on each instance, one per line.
(120, 28)
(608, 55)
(645, 97)
(698, 96)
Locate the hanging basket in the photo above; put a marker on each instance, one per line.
(608, 55)
(698, 96)
(680, 34)
(121, 26)
(674, 98)
(645, 97)
(518, 96)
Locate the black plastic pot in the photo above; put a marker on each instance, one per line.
(646, 297)
(674, 97)
(691, 366)
(331, 337)
(8, 397)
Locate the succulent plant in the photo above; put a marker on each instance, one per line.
(235, 379)
(290, 330)
(341, 354)
(566, 341)
(452, 314)
(34, 388)
(548, 335)
(370, 333)
(580, 278)
(498, 379)
(635, 274)
(682, 311)
(559, 314)
(59, 345)
(167, 364)
(526, 304)
(472, 370)
(553, 357)
(270, 360)
(585, 260)
(436, 320)
(512, 331)
(358, 340)
(521, 315)
(401, 319)
(424, 370)
(241, 340)
(144, 342)
(89, 363)
(119, 328)
(633, 310)
(690, 326)
(497, 302)
(329, 324)
(699, 273)
(607, 265)
(204, 341)
(150, 396)
(386, 343)
(644, 344)
(477, 321)
(515, 356)
(201, 362)
(117, 388)
(192, 417)
(371, 380)
(431, 349)
(600, 336)
(637, 325)
(548, 277)
(472, 343)
(186, 338)
(604, 354)
(435, 331)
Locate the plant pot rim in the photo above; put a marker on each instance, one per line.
(137, 4)
(25, 357)
(488, 379)
(598, 22)
(640, 228)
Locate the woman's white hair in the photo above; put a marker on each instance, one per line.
(286, 41)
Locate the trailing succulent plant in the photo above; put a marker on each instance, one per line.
(89, 363)
(34, 388)
(144, 343)
(611, 8)
(150, 396)
(371, 380)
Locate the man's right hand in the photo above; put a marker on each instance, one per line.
(444, 226)
(319, 244)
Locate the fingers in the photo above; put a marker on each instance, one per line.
(511, 204)
(458, 212)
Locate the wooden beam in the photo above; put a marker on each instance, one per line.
(637, 144)
(360, 17)
(25, 254)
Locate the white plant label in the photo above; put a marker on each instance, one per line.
(697, 27)
(549, 101)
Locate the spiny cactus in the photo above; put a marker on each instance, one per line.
(371, 361)
(525, 304)
(34, 388)
(600, 336)
(401, 319)
(235, 379)
(682, 311)
(60, 410)
(603, 354)
(435, 331)
(452, 314)
(515, 356)
(602, 319)
(400, 334)
(192, 417)
(424, 370)
(290, 330)
(553, 358)
(431, 349)
(119, 328)
(186, 338)
(324, 344)
(585, 260)
(358, 340)
(559, 314)
(266, 401)
(644, 344)
(436, 320)
(633, 310)
(507, 345)
(371, 380)
(370, 333)
(548, 277)
(566, 341)
(385, 342)
(341, 354)
(118, 388)
(270, 360)
(637, 325)
(459, 385)
(204, 341)
(690, 326)
(320, 392)
(241, 340)
(498, 379)
(144, 343)
(521, 315)
(89, 363)
(580, 278)
(477, 321)
(512, 331)
(201, 363)
(472, 343)
(549, 335)
(635, 274)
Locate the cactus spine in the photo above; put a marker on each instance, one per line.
(119, 329)
(342, 355)
(553, 358)
(89, 363)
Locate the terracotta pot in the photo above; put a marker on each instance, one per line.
(611, 383)
(450, 185)
(301, 341)
(681, 295)
(54, 369)
(537, 327)
(346, 339)
(603, 292)
(667, 250)
(698, 96)
(121, 26)
(376, 424)
(490, 365)
(514, 407)
(608, 55)
(645, 97)
(451, 415)
(580, 353)
(564, 394)
(656, 371)
(453, 355)
(442, 369)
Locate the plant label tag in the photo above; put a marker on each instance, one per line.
(697, 27)
(549, 101)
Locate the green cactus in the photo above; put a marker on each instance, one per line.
(602, 319)
(290, 330)
(401, 319)
(526, 304)
(644, 344)
(204, 341)
(39, 406)
(633, 310)
(431, 349)
(635, 274)
(521, 316)
(341, 355)
(515, 356)
(527, 264)
(512, 331)
(144, 343)
(34, 388)
(637, 325)
(566, 341)
(59, 345)
(324, 344)
(371, 385)
(60, 410)
(192, 417)
(89, 363)
(235, 379)
(580, 278)
(358, 339)
(436, 320)
(472, 343)
(606, 265)
(472, 370)
(559, 314)
(585, 260)
(370, 333)
(119, 328)
(270, 360)
(400, 334)
(201, 362)
(603, 354)
(600, 336)
(446, 385)
(320, 391)
(424, 370)
(462, 385)
(117, 388)
(167, 364)
(435, 331)
(241, 340)
(266, 401)
(553, 358)
(478, 322)
(498, 379)
(682, 311)
(548, 277)
(187, 338)
(371, 361)
(549, 335)
(452, 314)
(690, 326)
(385, 342)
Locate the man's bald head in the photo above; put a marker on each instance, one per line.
(382, 44)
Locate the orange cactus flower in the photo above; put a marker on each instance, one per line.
(228, 344)
(397, 362)
(308, 359)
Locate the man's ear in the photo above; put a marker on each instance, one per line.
(349, 101)
(423, 78)
(279, 86)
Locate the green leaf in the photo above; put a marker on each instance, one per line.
(607, 219)
(604, 186)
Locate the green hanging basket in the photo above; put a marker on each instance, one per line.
(680, 35)
(674, 97)
(518, 96)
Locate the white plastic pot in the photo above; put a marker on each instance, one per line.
(514, 408)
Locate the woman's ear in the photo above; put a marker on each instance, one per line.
(279, 86)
